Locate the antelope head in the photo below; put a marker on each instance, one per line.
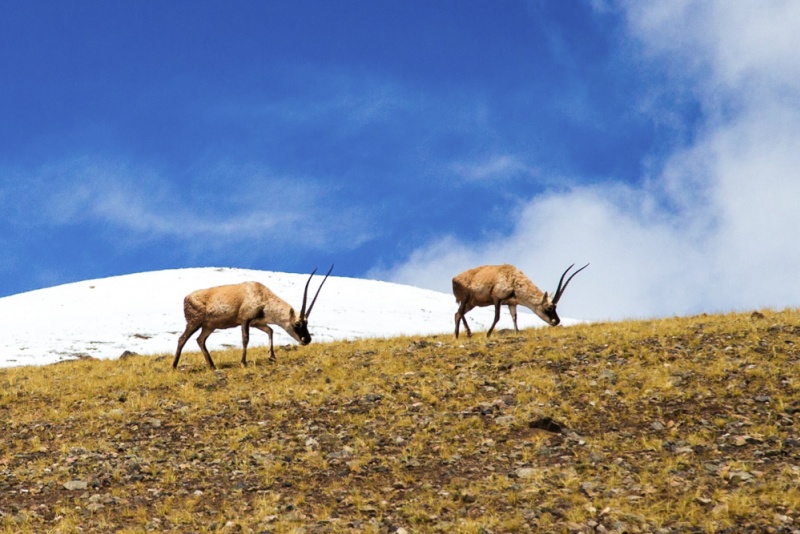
(548, 304)
(300, 324)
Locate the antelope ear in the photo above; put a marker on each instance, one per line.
(292, 315)
(545, 298)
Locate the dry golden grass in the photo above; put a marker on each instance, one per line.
(678, 425)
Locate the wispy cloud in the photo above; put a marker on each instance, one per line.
(342, 99)
(712, 229)
(142, 205)
(498, 167)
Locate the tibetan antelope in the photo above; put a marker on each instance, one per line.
(245, 305)
(496, 285)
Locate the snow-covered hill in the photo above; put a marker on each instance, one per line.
(143, 313)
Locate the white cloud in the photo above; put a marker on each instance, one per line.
(498, 167)
(631, 253)
(715, 228)
(746, 49)
(227, 206)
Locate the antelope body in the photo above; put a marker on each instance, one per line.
(498, 285)
(249, 304)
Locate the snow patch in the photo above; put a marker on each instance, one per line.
(143, 313)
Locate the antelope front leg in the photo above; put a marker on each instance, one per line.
(201, 342)
(466, 326)
(513, 309)
(271, 349)
(460, 317)
(190, 330)
(245, 341)
(267, 330)
(496, 318)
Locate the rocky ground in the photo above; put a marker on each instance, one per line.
(680, 425)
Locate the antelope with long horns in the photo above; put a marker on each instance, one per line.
(245, 305)
(496, 285)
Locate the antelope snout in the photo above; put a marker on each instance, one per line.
(555, 321)
(305, 340)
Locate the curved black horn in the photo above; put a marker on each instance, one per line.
(560, 290)
(305, 294)
(316, 294)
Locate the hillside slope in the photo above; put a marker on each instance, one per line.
(679, 425)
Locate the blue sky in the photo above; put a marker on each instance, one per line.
(408, 141)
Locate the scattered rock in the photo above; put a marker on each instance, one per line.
(526, 472)
(739, 476)
(419, 344)
(597, 457)
(73, 485)
(546, 423)
(345, 453)
(711, 467)
(95, 506)
(588, 488)
(657, 426)
(739, 441)
(609, 376)
(416, 407)
(504, 420)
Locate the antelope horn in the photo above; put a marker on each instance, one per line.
(560, 290)
(305, 294)
(317, 293)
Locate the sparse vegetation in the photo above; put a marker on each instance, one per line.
(677, 425)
